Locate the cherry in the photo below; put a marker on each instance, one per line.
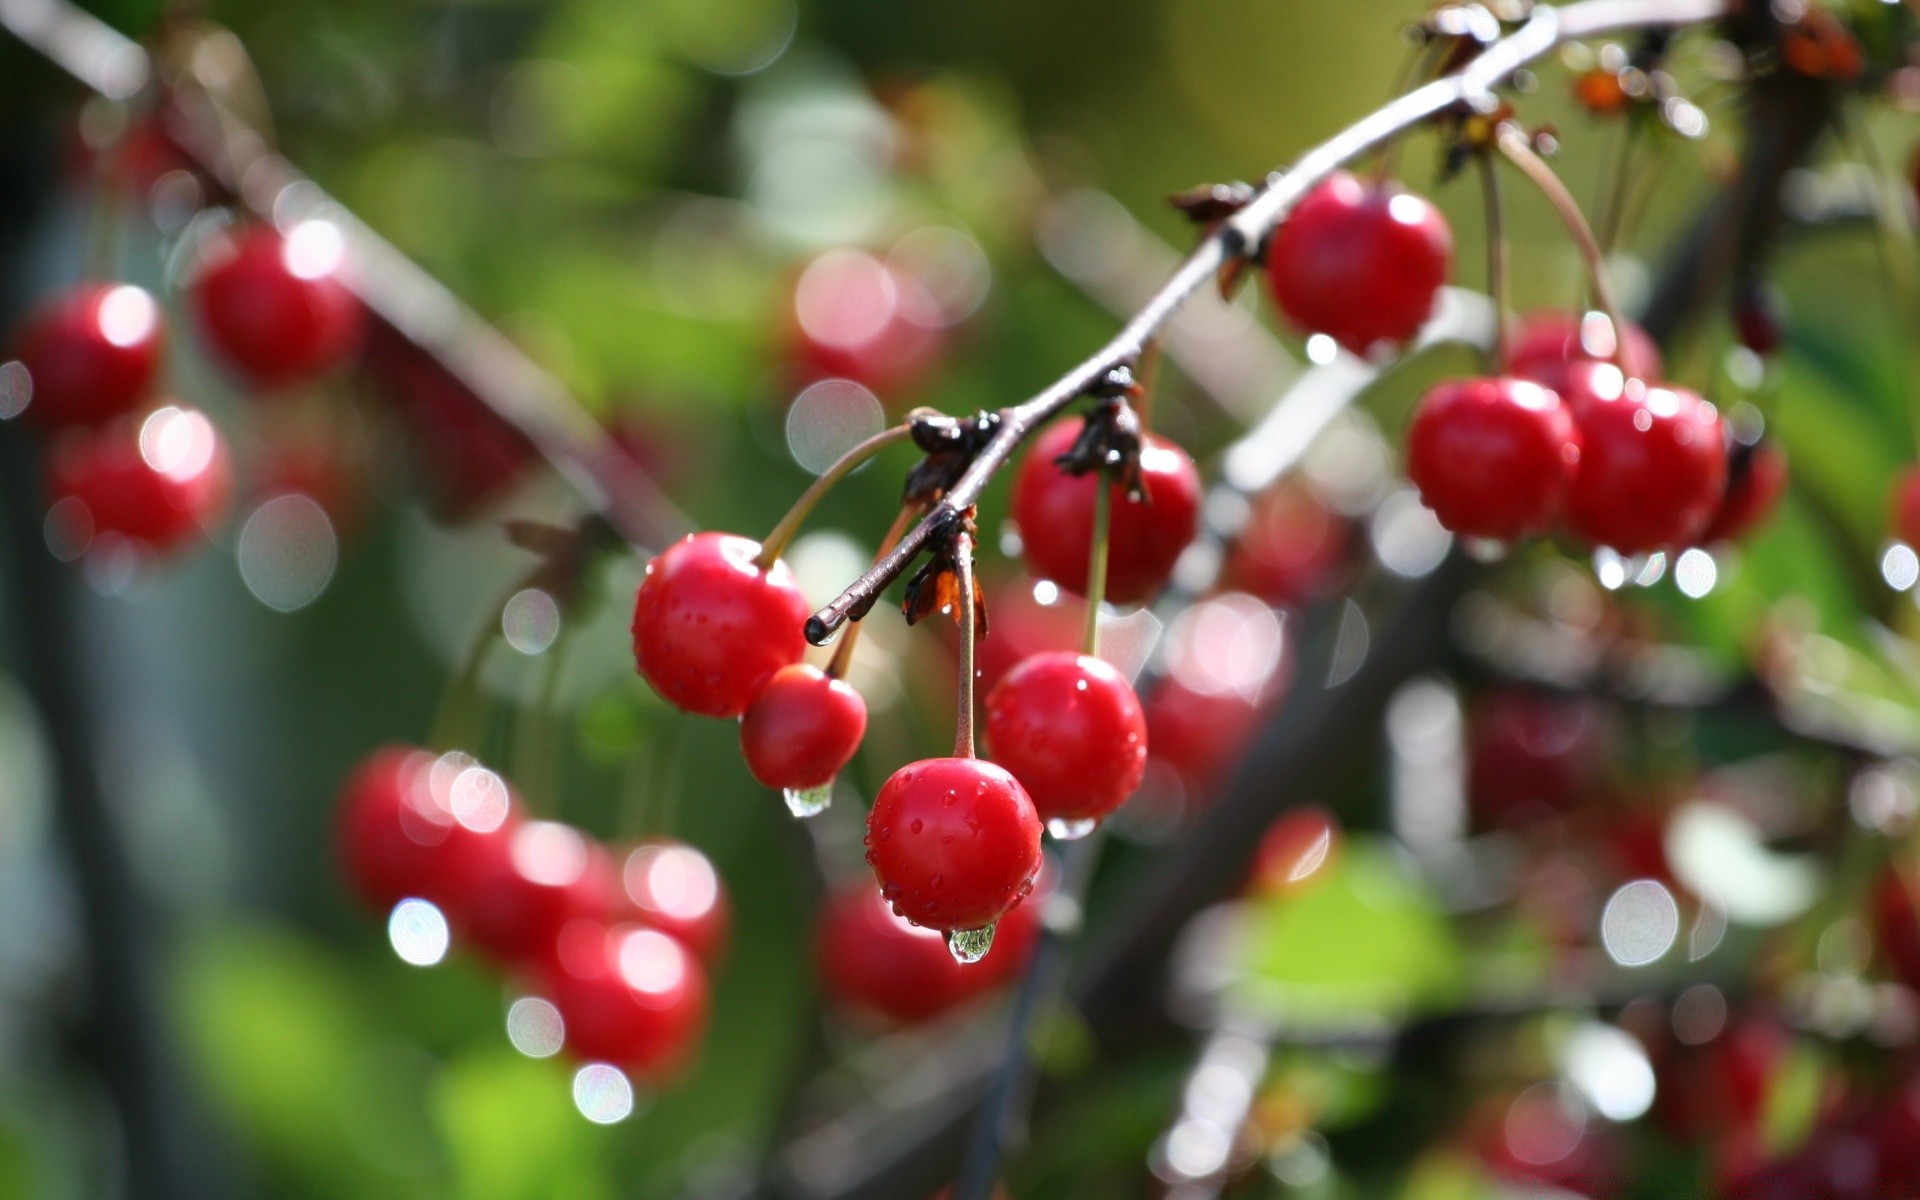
(1653, 468)
(1719, 1089)
(1362, 263)
(954, 842)
(1294, 851)
(629, 996)
(1227, 664)
(273, 306)
(1293, 549)
(1896, 923)
(1756, 479)
(1493, 458)
(1055, 513)
(673, 887)
(1530, 753)
(856, 317)
(91, 355)
(155, 483)
(517, 905)
(400, 832)
(1027, 619)
(710, 627)
(802, 728)
(1070, 729)
(878, 964)
(1548, 347)
(1904, 506)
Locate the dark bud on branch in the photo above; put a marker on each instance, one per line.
(951, 444)
(935, 587)
(1110, 440)
(1207, 206)
(564, 555)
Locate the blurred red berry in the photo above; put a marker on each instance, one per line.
(877, 963)
(1493, 458)
(157, 482)
(273, 305)
(628, 996)
(91, 354)
(673, 887)
(1653, 469)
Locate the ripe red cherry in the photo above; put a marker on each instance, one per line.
(1293, 548)
(1023, 626)
(1756, 479)
(954, 842)
(673, 887)
(1531, 753)
(1294, 851)
(1072, 732)
(1904, 506)
(879, 965)
(1360, 262)
(551, 874)
(856, 317)
(1055, 514)
(1493, 458)
(802, 728)
(400, 832)
(156, 483)
(629, 996)
(710, 627)
(273, 306)
(91, 355)
(1653, 469)
(1547, 346)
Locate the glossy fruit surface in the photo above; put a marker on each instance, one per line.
(1022, 626)
(876, 963)
(91, 355)
(1492, 457)
(710, 627)
(550, 875)
(1530, 753)
(673, 887)
(157, 483)
(1070, 729)
(1903, 503)
(802, 727)
(1294, 852)
(1548, 346)
(273, 305)
(954, 842)
(1756, 479)
(1360, 262)
(1055, 513)
(399, 833)
(629, 996)
(1653, 469)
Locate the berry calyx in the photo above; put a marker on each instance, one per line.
(878, 964)
(673, 887)
(1653, 468)
(155, 483)
(1360, 262)
(91, 355)
(802, 728)
(1055, 512)
(1493, 457)
(273, 305)
(629, 996)
(1904, 506)
(517, 905)
(1548, 347)
(1756, 479)
(710, 626)
(413, 824)
(1070, 729)
(954, 842)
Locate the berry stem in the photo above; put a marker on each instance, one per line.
(963, 572)
(537, 758)
(1097, 560)
(1497, 273)
(1145, 369)
(456, 723)
(103, 216)
(776, 542)
(1614, 202)
(843, 653)
(1514, 145)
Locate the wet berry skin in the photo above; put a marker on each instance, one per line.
(1549, 346)
(954, 842)
(802, 728)
(273, 306)
(1360, 262)
(630, 996)
(1492, 457)
(91, 355)
(1756, 479)
(1070, 729)
(1903, 503)
(710, 627)
(673, 887)
(1055, 513)
(1653, 469)
(551, 875)
(157, 483)
(395, 840)
(879, 965)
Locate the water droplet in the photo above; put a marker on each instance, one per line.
(1071, 830)
(970, 945)
(811, 802)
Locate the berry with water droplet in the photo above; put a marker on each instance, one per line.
(1492, 457)
(273, 306)
(629, 996)
(1360, 262)
(397, 835)
(802, 728)
(673, 887)
(1552, 348)
(1756, 479)
(954, 842)
(1653, 468)
(156, 483)
(710, 626)
(551, 875)
(91, 354)
(1071, 730)
(1054, 510)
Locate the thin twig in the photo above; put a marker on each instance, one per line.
(963, 575)
(776, 542)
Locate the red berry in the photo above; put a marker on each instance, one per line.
(1055, 514)
(273, 306)
(673, 887)
(710, 627)
(629, 996)
(1294, 851)
(551, 874)
(1023, 627)
(156, 482)
(1493, 458)
(411, 824)
(1293, 549)
(954, 842)
(1546, 344)
(1227, 662)
(470, 455)
(1758, 321)
(91, 355)
(1904, 505)
(802, 728)
(1653, 469)
(1360, 262)
(1756, 479)
(1896, 917)
(1531, 753)
(855, 317)
(1072, 732)
(877, 963)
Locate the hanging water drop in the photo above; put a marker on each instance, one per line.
(970, 945)
(1071, 829)
(809, 802)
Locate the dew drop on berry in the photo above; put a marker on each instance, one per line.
(970, 945)
(809, 802)
(1071, 829)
